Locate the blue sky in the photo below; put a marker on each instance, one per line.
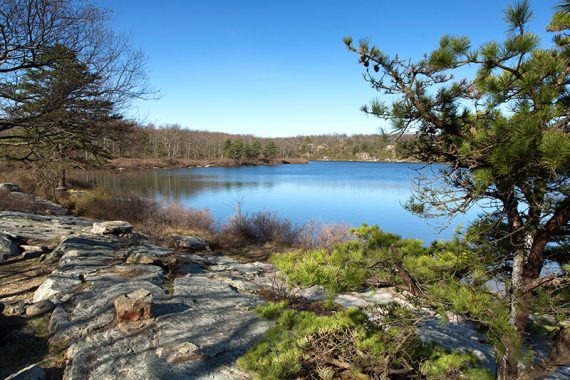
(280, 68)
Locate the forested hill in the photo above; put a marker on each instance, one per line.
(175, 142)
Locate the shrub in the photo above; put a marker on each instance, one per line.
(258, 228)
(342, 345)
(444, 365)
(347, 344)
(174, 218)
(148, 216)
(337, 271)
(100, 204)
(323, 235)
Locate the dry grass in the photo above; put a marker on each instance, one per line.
(266, 229)
(19, 175)
(259, 228)
(323, 235)
(148, 216)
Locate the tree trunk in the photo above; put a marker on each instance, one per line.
(527, 265)
(61, 184)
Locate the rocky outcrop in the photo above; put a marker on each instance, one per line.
(14, 197)
(124, 308)
(119, 313)
(190, 243)
(26, 226)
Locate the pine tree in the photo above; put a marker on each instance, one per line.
(67, 116)
(504, 135)
(269, 151)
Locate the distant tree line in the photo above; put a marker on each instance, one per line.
(173, 141)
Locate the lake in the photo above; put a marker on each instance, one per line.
(340, 192)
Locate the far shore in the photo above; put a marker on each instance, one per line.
(165, 163)
(122, 163)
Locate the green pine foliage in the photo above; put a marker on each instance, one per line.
(346, 344)
(504, 133)
(452, 275)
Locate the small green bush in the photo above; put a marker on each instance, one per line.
(301, 341)
(345, 344)
(443, 365)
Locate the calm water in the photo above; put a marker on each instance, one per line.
(340, 192)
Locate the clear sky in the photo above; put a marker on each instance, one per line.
(279, 67)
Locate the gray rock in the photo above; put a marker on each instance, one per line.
(197, 334)
(40, 227)
(39, 308)
(197, 331)
(14, 308)
(55, 287)
(34, 248)
(190, 243)
(460, 337)
(10, 187)
(32, 372)
(150, 254)
(8, 246)
(115, 227)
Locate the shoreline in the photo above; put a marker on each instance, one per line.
(175, 163)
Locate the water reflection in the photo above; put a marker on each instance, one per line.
(342, 192)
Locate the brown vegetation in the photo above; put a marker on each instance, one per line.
(147, 216)
(9, 202)
(165, 162)
(244, 233)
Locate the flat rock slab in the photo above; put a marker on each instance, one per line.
(115, 227)
(196, 329)
(198, 333)
(40, 227)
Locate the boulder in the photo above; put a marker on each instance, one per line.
(39, 308)
(190, 243)
(134, 306)
(115, 227)
(14, 308)
(32, 372)
(8, 247)
(55, 287)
